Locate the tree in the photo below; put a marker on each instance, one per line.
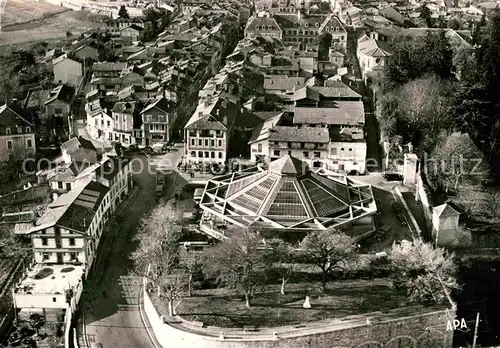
(426, 16)
(456, 160)
(36, 321)
(123, 13)
(329, 251)
(454, 24)
(239, 263)
(171, 287)
(492, 205)
(157, 241)
(282, 256)
(477, 32)
(436, 55)
(423, 272)
(193, 267)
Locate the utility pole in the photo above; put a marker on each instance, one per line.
(475, 331)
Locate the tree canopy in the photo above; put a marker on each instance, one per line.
(239, 263)
(123, 13)
(423, 272)
(329, 251)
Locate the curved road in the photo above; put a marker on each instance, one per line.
(110, 297)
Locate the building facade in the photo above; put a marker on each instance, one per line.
(17, 134)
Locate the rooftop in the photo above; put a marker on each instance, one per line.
(304, 134)
(286, 196)
(56, 283)
(344, 113)
(76, 143)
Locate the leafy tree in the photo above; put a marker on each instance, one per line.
(436, 55)
(455, 161)
(282, 256)
(329, 251)
(423, 272)
(36, 321)
(123, 13)
(239, 263)
(324, 42)
(426, 16)
(477, 32)
(403, 65)
(492, 205)
(454, 24)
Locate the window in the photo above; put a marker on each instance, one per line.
(108, 123)
(43, 232)
(206, 142)
(19, 130)
(341, 149)
(9, 144)
(29, 143)
(68, 186)
(276, 152)
(28, 129)
(306, 154)
(350, 149)
(58, 110)
(45, 256)
(60, 184)
(7, 131)
(193, 153)
(44, 241)
(207, 154)
(54, 299)
(333, 151)
(200, 142)
(212, 154)
(193, 142)
(259, 146)
(220, 154)
(212, 143)
(200, 154)
(72, 256)
(317, 154)
(72, 241)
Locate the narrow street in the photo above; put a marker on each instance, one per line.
(110, 298)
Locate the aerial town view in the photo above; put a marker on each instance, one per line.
(249, 174)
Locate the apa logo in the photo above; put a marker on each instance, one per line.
(456, 324)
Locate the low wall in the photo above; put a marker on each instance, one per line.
(423, 196)
(423, 328)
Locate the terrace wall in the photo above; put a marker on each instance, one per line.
(389, 330)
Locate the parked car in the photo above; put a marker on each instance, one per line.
(147, 151)
(393, 177)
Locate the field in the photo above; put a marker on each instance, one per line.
(29, 21)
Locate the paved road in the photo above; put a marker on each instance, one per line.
(111, 295)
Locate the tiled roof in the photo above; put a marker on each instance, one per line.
(109, 66)
(303, 135)
(79, 215)
(284, 83)
(266, 115)
(262, 131)
(335, 89)
(445, 210)
(125, 107)
(160, 104)
(65, 56)
(373, 48)
(344, 113)
(268, 22)
(20, 112)
(76, 143)
(290, 20)
(110, 168)
(62, 93)
(207, 122)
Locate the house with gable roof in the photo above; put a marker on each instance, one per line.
(158, 119)
(59, 101)
(78, 149)
(17, 133)
(372, 56)
(68, 70)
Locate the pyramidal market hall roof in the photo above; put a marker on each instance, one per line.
(287, 195)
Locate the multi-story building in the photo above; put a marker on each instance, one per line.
(115, 25)
(68, 70)
(59, 102)
(124, 114)
(116, 174)
(78, 149)
(263, 24)
(157, 120)
(99, 120)
(373, 55)
(65, 240)
(17, 133)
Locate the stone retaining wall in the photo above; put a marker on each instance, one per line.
(423, 328)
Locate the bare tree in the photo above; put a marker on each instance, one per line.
(172, 287)
(328, 250)
(423, 272)
(282, 256)
(157, 253)
(193, 265)
(239, 262)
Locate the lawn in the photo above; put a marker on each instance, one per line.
(222, 308)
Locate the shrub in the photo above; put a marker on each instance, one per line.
(67, 269)
(44, 273)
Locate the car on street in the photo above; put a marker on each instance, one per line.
(393, 177)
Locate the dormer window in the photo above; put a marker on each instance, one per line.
(7, 131)
(28, 129)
